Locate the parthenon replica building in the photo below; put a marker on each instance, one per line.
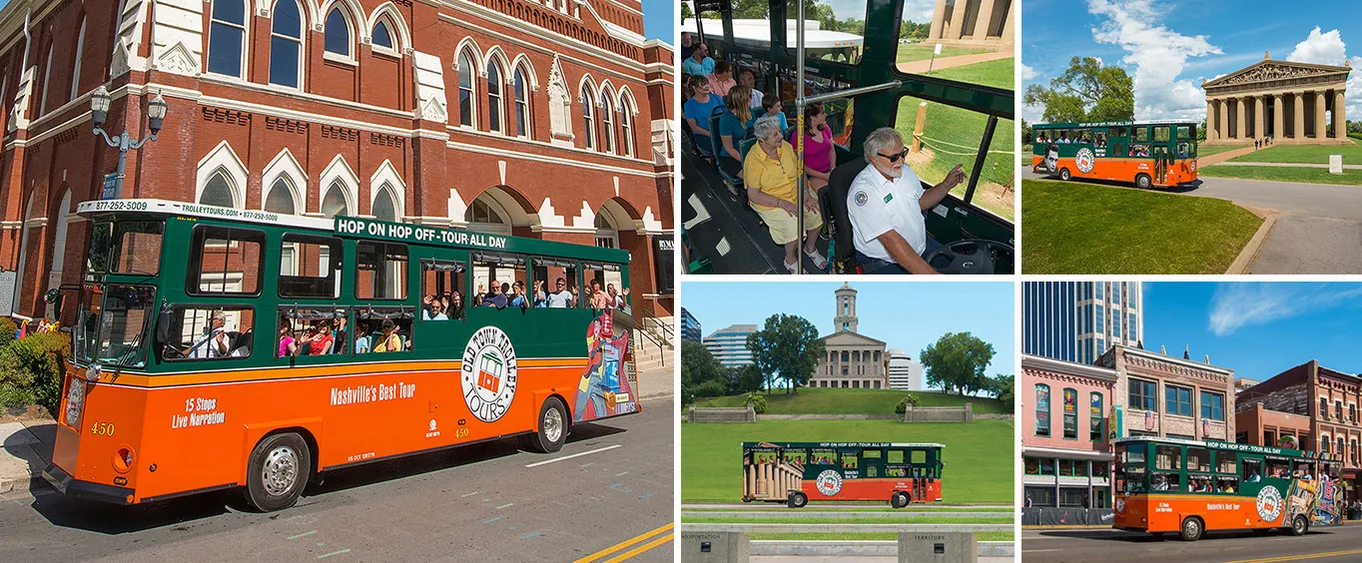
(1291, 102)
(980, 23)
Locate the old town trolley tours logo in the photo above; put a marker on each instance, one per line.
(1269, 504)
(829, 482)
(1085, 160)
(489, 374)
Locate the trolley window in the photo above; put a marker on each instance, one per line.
(225, 261)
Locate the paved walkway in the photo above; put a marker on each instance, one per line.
(1217, 158)
(27, 450)
(1291, 165)
(920, 67)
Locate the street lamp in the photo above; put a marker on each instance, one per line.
(99, 112)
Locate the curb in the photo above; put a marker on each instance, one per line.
(837, 548)
(1255, 243)
(11, 484)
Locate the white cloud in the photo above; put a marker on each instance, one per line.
(1027, 73)
(1033, 113)
(1320, 48)
(1158, 55)
(1237, 305)
(919, 11)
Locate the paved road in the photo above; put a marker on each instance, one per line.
(920, 67)
(479, 503)
(1319, 230)
(1336, 545)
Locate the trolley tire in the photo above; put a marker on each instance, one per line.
(797, 500)
(899, 499)
(542, 439)
(289, 460)
(1299, 525)
(1064, 174)
(1192, 528)
(1143, 181)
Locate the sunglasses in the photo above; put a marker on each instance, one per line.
(894, 157)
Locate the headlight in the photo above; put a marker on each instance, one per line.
(75, 400)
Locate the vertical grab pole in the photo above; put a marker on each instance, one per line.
(799, 138)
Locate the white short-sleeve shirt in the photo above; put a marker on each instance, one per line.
(756, 98)
(877, 204)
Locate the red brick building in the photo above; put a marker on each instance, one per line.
(540, 119)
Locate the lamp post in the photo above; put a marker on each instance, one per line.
(99, 111)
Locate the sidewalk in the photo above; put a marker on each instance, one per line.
(1291, 165)
(1217, 158)
(28, 449)
(920, 67)
(657, 382)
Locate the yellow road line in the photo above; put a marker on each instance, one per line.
(1299, 557)
(627, 543)
(642, 548)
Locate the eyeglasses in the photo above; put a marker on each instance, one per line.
(894, 157)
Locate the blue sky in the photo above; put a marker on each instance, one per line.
(1171, 47)
(907, 315)
(659, 20)
(1257, 329)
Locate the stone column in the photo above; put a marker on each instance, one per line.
(1320, 122)
(982, 20)
(1278, 123)
(938, 20)
(1210, 120)
(1239, 119)
(1298, 122)
(957, 30)
(1007, 23)
(1340, 116)
(1222, 128)
(1258, 123)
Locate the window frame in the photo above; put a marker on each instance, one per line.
(243, 28)
(393, 50)
(588, 99)
(299, 42)
(407, 264)
(1210, 405)
(1048, 431)
(1176, 400)
(346, 19)
(472, 73)
(333, 259)
(464, 270)
(1150, 399)
(521, 97)
(194, 269)
(180, 307)
(496, 100)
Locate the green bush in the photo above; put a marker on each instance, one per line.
(31, 371)
(7, 331)
(757, 402)
(902, 407)
(711, 388)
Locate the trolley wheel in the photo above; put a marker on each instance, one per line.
(797, 500)
(1299, 526)
(1143, 181)
(1064, 174)
(1192, 528)
(899, 499)
(277, 471)
(552, 432)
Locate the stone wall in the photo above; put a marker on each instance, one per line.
(721, 414)
(939, 414)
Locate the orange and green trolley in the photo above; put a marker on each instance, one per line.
(797, 472)
(1189, 487)
(221, 348)
(1146, 153)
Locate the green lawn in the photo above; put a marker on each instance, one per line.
(852, 401)
(1304, 154)
(979, 463)
(966, 128)
(1280, 174)
(862, 536)
(1076, 228)
(923, 51)
(1203, 150)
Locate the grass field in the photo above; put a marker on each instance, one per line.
(977, 470)
(1202, 150)
(1282, 174)
(966, 128)
(853, 401)
(1304, 154)
(1077, 228)
(923, 51)
(864, 536)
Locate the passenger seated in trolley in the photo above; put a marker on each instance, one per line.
(771, 175)
(885, 205)
(215, 343)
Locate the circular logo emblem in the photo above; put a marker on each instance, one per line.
(489, 374)
(1120, 504)
(829, 482)
(1288, 442)
(1193, 166)
(861, 198)
(1085, 160)
(1269, 504)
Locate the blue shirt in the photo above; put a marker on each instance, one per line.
(700, 113)
(702, 68)
(730, 125)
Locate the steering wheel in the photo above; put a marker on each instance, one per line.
(972, 256)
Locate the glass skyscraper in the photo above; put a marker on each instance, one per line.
(729, 345)
(1079, 321)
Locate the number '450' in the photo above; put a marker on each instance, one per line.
(102, 429)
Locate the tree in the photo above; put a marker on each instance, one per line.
(788, 347)
(957, 361)
(1088, 91)
(1002, 388)
(685, 12)
(1026, 132)
(749, 379)
(698, 370)
(1201, 131)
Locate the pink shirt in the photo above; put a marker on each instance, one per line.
(283, 345)
(818, 155)
(721, 87)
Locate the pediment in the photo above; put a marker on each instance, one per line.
(848, 338)
(1270, 70)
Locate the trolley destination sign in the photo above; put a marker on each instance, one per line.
(400, 232)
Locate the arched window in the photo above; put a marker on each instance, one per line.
(522, 104)
(467, 103)
(486, 217)
(338, 33)
(280, 199)
(385, 205)
(588, 124)
(218, 191)
(286, 44)
(607, 236)
(627, 126)
(75, 71)
(334, 203)
(607, 124)
(226, 37)
(383, 36)
(47, 78)
(494, 105)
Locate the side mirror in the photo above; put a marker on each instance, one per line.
(163, 323)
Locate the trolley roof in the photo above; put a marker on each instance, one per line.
(1218, 445)
(841, 445)
(1113, 124)
(758, 33)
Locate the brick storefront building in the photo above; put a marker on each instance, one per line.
(1066, 447)
(539, 119)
